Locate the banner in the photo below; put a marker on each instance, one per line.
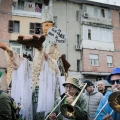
(56, 35)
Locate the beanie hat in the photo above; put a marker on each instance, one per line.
(89, 83)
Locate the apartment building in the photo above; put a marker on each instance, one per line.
(92, 46)
(101, 50)
(26, 20)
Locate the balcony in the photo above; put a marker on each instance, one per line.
(27, 11)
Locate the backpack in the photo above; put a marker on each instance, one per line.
(13, 107)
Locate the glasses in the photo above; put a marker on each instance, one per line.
(112, 82)
(70, 87)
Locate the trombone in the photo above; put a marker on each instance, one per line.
(102, 109)
(114, 102)
(55, 108)
(68, 110)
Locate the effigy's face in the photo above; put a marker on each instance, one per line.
(46, 26)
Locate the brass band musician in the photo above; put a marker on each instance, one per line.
(114, 80)
(71, 90)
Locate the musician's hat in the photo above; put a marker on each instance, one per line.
(73, 81)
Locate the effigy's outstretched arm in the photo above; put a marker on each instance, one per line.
(5, 47)
(13, 59)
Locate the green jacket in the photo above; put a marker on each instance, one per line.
(5, 106)
(80, 106)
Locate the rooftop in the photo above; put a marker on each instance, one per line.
(96, 4)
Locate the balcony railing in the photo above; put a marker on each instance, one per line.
(26, 11)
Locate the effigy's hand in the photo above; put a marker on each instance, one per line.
(5, 47)
(34, 41)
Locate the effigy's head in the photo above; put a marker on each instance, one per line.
(46, 26)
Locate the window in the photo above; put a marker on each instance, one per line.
(18, 49)
(97, 33)
(89, 34)
(109, 61)
(109, 13)
(97, 11)
(55, 21)
(94, 33)
(85, 8)
(14, 26)
(102, 13)
(78, 65)
(78, 39)
(35, 28)
(20, 5)
(77, 15)
(93, 59)
(90, 10)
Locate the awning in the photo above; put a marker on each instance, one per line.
(94, 73)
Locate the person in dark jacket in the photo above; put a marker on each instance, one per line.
(5, 106)
(93, 97)
(114, 80)
(71, 90)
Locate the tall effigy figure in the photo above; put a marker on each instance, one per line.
(43, 71)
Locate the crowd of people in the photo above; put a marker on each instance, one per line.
(28, 56)
(92, 100)
(87, 107)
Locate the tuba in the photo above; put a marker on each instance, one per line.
(114, 102)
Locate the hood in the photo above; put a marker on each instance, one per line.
(114, 72)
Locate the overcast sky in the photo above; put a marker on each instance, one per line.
(114, 2)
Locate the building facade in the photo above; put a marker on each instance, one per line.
(5, 16)
(92, 46)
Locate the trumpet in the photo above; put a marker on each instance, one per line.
(68, 110)
(113, 101)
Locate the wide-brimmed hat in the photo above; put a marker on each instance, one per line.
(115, 71)
(89, 83)
(72, 81)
